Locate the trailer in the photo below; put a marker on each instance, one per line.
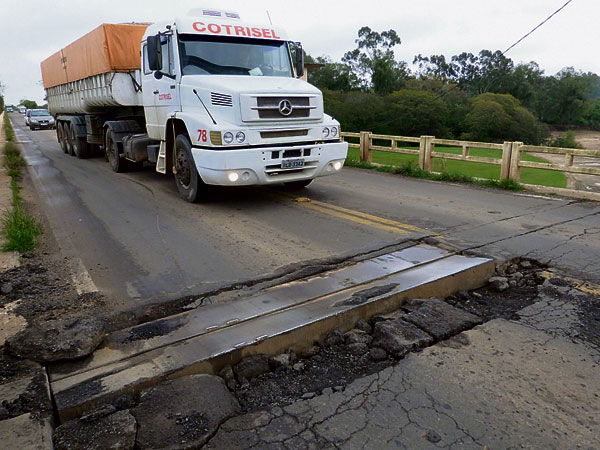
(206, 97)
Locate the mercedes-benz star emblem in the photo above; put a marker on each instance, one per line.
(285, 107)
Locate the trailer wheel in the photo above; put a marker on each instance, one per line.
(68, 132)
(188, 181)
(80, 145)
(64, 142)
(111, 148)
(59, 134)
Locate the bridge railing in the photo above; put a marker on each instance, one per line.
(510, 156)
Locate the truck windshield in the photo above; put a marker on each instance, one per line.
(211, 55)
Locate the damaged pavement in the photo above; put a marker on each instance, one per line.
(513, 363)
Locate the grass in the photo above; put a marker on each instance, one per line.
(469, 169)
(410, 168)
(19, 229)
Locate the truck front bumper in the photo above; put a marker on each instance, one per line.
(269, 165)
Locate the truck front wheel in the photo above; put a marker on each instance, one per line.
(117, 164)
(189, 183)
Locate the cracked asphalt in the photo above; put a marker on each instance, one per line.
(140, 244)
(526, 383)
(531, 381)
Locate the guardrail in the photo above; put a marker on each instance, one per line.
(510, 161)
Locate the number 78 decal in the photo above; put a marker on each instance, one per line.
(202, 135)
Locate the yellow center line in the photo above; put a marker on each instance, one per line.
(370, 217)
(583, 286)
(353, 215)
(353, 218)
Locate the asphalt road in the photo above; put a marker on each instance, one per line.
(139, 242)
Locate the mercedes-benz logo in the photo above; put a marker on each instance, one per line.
(285, 107)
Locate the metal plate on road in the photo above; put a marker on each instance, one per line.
(292, 163)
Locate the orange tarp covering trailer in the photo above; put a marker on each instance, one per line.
(108, 48)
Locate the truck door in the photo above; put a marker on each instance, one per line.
(162, 92)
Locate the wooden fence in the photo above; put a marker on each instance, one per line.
(510, 162)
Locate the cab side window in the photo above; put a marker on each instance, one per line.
(146, 65)
(167, 55)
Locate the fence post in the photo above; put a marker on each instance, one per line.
(426, 147)
(505, 167)
(365, 147)
(568, 160)
(515, 159)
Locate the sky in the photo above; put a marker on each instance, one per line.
(32, 30)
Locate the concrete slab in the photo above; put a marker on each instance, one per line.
(133, 341)
(26, 432)
(296, 327)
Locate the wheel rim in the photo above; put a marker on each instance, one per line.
(110, 150)
(65, 142)
(74, 140)
(182, 165)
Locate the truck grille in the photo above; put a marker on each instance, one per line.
(221, 99)
(281, 107)
(283, 133)
(278, 107)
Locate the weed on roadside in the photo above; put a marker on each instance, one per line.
(19, 229)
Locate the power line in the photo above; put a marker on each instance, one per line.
(539, 25)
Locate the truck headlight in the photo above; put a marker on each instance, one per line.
(334, 131)
(240, 137)
(325, 132)
(228, 137)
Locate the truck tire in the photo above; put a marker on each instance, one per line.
(188, 181)
(117, 164)
(80, 145)
(58, 134)
(68, 132)
(64, 143)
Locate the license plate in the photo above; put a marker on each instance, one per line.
(292, 163)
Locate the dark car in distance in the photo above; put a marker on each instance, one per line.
(40, 118)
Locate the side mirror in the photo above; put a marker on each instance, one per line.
(299, 62)
(154, 52)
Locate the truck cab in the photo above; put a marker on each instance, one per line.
(206, 97)
(233, 90)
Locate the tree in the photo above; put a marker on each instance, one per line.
(29, 104)
(476, 74)
(417, 113)
(374, 62)
(564, 98)
(357, 111)
(333, 76)
(456, 100)
(500, 117)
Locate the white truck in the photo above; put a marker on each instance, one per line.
(207, 97)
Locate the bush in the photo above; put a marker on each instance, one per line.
(500, 117)
(565, 140)
(417, 113)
